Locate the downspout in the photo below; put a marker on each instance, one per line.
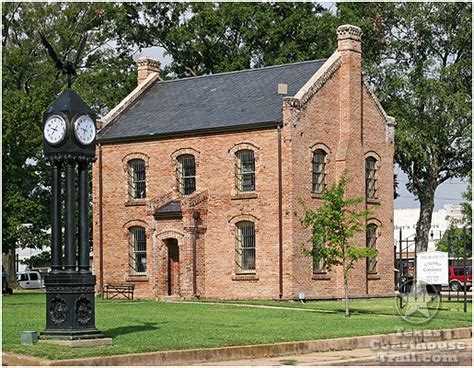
(196, 216)
(280, 214)
(101, 229)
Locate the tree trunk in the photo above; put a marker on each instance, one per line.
(346, 295)
(423, 225)
(9, 264)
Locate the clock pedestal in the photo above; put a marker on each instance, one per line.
(70, 285)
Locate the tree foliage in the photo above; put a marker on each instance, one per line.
(334, 225)
(30, 84)
(421, 66)
(205, 38)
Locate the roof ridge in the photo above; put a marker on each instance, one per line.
(239, 71)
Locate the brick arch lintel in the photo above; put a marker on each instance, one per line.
(244, 217)
(372, 154)
(244, 145)
(135, 222)
(135, 156)
(186, 151)
(321, 146)
(170, 234)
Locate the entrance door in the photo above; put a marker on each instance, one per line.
(173, 267)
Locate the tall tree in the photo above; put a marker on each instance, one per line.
(30, 84)
(204, 38)
(422, 69)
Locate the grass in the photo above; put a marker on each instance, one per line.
(146, 326)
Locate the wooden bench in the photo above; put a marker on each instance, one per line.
(114, 290)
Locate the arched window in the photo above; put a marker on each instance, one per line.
(245, 170)
(136, 179)
(245, 248)
(370, 178)
(318, 265)
(319, 171)
(137, 250)
(371, 242)
(186, 174)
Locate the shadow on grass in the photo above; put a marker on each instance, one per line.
(118, 331)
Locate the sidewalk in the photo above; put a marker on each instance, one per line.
(421, 354)
(314, 352)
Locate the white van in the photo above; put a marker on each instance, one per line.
(30, 280)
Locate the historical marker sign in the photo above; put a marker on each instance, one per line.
(432, 267)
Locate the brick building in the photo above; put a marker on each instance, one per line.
(197, 183)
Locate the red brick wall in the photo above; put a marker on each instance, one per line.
(340, 117)
(216, 244)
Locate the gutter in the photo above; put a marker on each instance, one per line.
(190, 133)
(280, 215)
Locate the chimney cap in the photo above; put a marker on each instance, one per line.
(146, 61)
(349, 31)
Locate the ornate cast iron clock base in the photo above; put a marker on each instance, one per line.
(70, 307)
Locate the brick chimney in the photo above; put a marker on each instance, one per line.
(349, 46)
(146, 66)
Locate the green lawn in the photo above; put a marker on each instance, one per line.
(145, 326)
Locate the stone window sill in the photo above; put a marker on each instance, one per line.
(136, 202)
(244, 195)
(373, 201)
(245, 277)
(137, 278)
(373, 276)
(317, 195)
(321, 276)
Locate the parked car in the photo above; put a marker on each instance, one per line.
(5, 288)
(30, 280)
(456, 277)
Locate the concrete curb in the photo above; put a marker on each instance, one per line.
(195, 356)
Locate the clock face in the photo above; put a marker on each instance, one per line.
(54, 129)
(84, 129)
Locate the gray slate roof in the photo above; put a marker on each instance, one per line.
(224, 101)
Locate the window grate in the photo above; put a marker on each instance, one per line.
(319, 171)
(370, 178)
(186, 174)
(318, 265)
(136, 179)
(371, 242)
(137, 247)
(245, 250)
(245, 171)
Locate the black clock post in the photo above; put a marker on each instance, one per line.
(69, 144)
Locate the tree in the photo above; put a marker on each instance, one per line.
(333, 226)
(206, 38)
(30, 84)
(453, 239)
(422, 70)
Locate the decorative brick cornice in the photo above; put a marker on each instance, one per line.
(374, 98)
(389, 120)
(149, 63)
(316, 82)
(349, 31)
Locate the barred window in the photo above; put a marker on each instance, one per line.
(319, 171)
(136, 179)
(371, 242)
(370, 177)
(186, 174)
(318, 265)
(245, 250)
(137, 248)
(245, 171)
